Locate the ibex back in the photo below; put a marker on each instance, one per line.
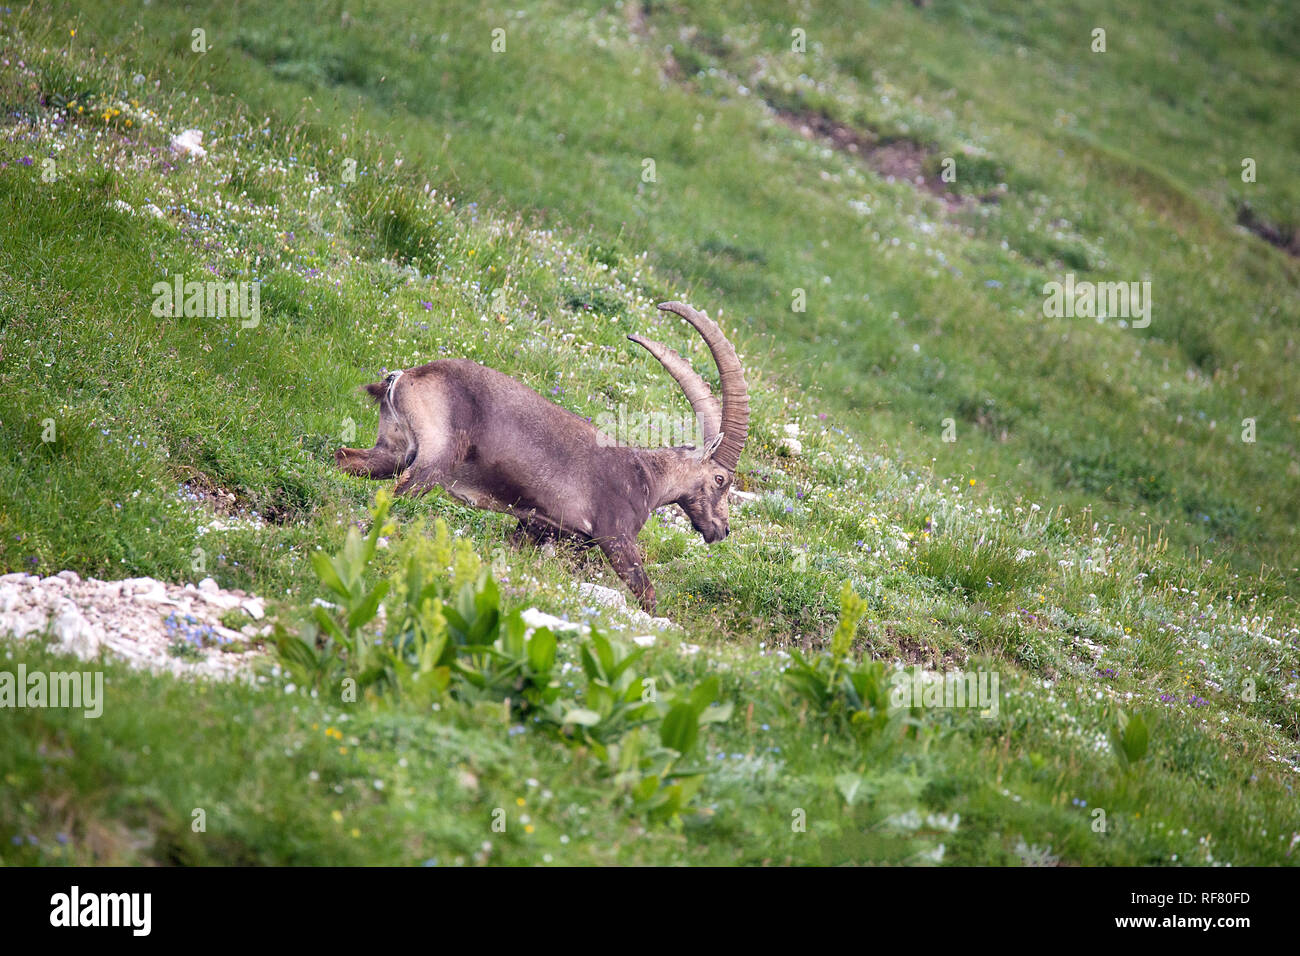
(494, 443)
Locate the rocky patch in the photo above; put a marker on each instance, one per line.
(172, 628)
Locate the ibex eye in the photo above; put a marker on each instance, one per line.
(718, 478)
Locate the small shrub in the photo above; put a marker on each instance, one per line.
(852, 694)
(446, 637)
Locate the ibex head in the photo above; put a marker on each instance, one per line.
(704, 475)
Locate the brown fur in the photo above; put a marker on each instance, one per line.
(494, 443)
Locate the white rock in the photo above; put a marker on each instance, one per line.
(1096, 650)
(227, 633)
(535, 618)
(256, 610)
(602, 596)
(8, 598)
(156, 594)
(209, 586)
(72, 577)
(74, 633)
(220, 599)
(129, 586)
(31, 621)
(189, 143)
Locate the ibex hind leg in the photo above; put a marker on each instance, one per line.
(625, 558)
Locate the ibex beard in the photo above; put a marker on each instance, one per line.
(494, 443)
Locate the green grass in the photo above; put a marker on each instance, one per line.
(1098, 533)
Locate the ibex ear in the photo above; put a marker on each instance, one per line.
(710, 447)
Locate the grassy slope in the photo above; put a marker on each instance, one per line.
(896, 338)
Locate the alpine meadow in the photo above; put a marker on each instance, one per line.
(1005, 574)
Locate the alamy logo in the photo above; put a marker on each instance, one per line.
(208, 300)
(1098, 300)
(75, 689)
(647, 429)
(103, 909)
(930, 689)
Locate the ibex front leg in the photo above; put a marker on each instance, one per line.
(431, 466)
(377, 462)
(389, 456)
(625, 558)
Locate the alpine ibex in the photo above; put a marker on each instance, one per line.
(494, 443)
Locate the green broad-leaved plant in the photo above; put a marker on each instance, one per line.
(447, 638)
(851, 693)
